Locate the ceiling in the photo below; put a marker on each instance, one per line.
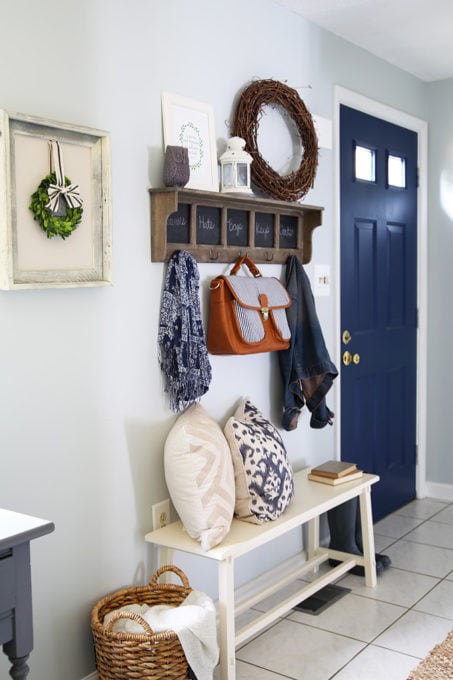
(415, 35)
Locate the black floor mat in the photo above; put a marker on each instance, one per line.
(318, 602)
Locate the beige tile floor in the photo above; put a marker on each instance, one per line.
(370, 633)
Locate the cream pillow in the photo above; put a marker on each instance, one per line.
(264, 478)
(199, 476)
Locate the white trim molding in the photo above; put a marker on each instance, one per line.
(380, 110)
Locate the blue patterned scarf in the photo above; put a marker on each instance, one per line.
(183, 356)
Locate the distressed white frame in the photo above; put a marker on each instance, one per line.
(98, 198)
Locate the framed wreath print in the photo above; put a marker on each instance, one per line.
(190, 123)
(55, 204)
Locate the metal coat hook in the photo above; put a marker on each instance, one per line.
(213, 255)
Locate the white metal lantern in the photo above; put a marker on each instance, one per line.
(235, 167)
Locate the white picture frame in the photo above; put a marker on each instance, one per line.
(28, 258)
(190, 123)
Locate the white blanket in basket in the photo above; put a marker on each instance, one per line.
(194, 622)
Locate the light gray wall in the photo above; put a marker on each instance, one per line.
(83, 417)
(439, 104)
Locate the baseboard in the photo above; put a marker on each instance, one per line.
(92, 676)
(441, 492)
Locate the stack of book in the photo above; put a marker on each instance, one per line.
(335, 472)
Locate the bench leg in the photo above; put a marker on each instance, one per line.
(166, 556)
(313, 537)
(227, 631)
(366, 519)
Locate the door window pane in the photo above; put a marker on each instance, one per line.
(365, 163)
(396, 171)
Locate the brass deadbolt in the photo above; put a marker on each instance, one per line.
(346, 337)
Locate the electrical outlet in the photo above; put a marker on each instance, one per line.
(161, 514)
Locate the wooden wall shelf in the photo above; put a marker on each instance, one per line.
(219, 227)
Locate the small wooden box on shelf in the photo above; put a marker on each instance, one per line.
(221, 227)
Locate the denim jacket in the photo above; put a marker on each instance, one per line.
(306, 368)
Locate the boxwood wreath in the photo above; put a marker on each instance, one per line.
(248, 113)
(51, 223)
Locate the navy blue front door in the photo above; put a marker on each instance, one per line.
(378, 303)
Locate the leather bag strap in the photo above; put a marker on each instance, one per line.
(247, 261)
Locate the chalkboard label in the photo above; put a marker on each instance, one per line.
(288, 231)
(178, 225)
(237, 227)
(208, 225)
(264, 230)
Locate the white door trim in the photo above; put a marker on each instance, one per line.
(374, 108)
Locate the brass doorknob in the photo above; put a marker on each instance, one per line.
(347, 358)
(346, 337)
(356, 359)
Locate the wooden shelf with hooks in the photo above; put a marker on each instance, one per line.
(220, 227)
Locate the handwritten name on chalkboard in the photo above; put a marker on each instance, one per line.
(288, 231)
(178, 225)
(208, 225)
(237, 228)
(264, 230)
(208, 228)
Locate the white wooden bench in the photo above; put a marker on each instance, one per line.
(311, 500)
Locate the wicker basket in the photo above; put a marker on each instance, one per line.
(127, 656)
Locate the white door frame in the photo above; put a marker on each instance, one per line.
(374, 108)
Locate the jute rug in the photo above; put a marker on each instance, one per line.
(438, 665)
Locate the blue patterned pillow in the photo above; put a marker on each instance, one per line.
(264, 479)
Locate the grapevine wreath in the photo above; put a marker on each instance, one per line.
(260, 93)
(56, 203)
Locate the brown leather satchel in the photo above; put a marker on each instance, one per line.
(247, 314)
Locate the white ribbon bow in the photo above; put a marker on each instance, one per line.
(70, 193)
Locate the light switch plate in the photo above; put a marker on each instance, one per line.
(321, 280)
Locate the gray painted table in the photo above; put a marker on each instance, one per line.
(16, 623)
